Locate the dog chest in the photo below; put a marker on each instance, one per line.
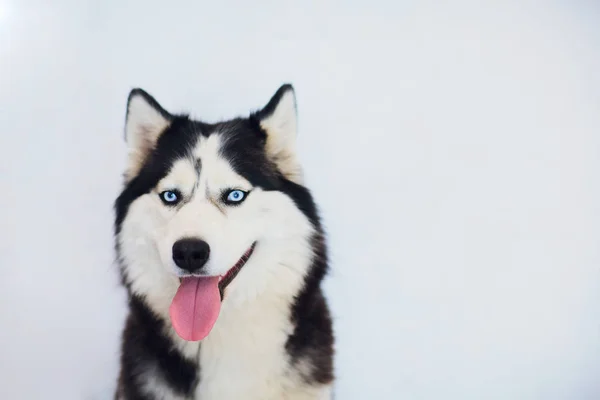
(244, 356)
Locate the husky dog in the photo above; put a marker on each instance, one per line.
(222, 254)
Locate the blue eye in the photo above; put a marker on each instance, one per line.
(169, 197)
(235, 196)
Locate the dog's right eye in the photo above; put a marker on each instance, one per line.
(170, 197)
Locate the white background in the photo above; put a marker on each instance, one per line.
(454, 150)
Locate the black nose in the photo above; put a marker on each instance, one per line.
(190, 254)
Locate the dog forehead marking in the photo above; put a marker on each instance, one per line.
(205, 168)
(217, 171)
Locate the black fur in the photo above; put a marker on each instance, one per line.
(144, 343)
(146, 347)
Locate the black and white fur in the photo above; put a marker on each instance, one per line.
(273, 338)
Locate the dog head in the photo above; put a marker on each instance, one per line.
(221, 201)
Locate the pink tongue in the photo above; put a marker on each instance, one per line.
(195, 307)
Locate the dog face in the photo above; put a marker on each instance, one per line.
(213, 200)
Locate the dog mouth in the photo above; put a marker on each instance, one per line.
(196, 305)
(226, 279)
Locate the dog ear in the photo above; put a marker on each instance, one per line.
(279, 120)
(144, 122)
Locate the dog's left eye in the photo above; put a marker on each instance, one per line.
(170, 197)
(235, 196)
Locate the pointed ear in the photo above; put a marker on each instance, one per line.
(144, 122)
(279, 120)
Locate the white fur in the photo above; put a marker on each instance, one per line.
(143, 127)
(244, 356)
(155, 385)
(281, 127)
(282, 122)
